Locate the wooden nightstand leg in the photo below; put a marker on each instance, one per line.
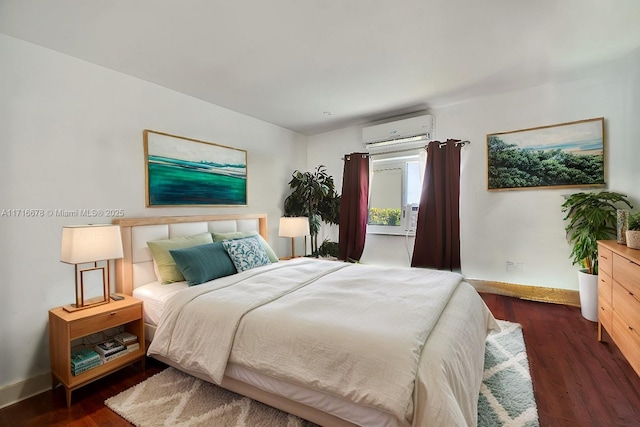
(68, 392)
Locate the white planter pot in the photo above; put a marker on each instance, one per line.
(588, 286)
(633, 239)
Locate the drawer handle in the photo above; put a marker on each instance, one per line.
(112, 313)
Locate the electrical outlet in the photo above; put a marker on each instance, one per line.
(514, 266)
(510, 266)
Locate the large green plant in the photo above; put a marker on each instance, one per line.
(313, 195)
(592, 217)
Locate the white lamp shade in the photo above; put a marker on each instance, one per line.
(294, 226)
(90, 243)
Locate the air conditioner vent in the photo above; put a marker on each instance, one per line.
(405, 131)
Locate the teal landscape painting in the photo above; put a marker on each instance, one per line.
(565, 155)
(182, 171)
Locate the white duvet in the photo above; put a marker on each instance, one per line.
(367, 334)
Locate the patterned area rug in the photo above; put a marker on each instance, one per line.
(171, 398)
(506, 395)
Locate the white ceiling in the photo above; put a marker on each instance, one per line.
(290, 62)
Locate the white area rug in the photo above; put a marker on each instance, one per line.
(171, 398)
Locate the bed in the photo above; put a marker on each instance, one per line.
(338, 344)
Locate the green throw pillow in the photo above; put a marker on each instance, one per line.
(199, 264)
(219, 237)
(169, 271)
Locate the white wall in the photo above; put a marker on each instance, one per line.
(523, 226)
(71, 138)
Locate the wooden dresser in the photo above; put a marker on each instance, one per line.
(619, 298)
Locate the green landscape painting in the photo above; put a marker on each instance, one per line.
(563, 155)
(187, 172)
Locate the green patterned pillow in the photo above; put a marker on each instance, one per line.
(167, 268)
(246, 253)
(219, 237)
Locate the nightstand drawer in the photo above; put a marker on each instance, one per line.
(102, 321)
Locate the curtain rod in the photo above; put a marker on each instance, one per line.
(463, 143)
(440, 145)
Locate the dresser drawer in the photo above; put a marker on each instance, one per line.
(109, 319)
(605, 284)
(605, 315)
(628, 340)
(605, 259)
(604, 287)
(627, 272)
(627, 305)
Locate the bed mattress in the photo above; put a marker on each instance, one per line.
(154, 296)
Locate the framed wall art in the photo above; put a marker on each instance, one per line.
(187, 172)
(562, 155)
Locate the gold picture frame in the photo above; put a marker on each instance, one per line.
(181, 171)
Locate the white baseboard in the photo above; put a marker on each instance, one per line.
(14, 393)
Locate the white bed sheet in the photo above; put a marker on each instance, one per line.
(154, 295)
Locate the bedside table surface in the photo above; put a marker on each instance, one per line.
(92, 311)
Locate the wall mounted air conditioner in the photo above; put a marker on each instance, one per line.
(412, 130)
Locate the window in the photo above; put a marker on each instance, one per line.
(396, 182)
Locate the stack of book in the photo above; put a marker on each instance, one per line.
(129, 340)
(83, 360)
(120, 345)
(126, 339)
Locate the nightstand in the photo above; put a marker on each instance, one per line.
(64, 327)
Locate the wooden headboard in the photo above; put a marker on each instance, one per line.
(136, 267)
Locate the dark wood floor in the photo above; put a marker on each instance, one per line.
(577, 380)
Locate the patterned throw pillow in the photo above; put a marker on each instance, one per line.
(246, 253)
(219, 237)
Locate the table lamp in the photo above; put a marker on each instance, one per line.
(293, 227)
(90, 244)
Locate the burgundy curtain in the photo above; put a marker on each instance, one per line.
(354, 206)
(437, 243)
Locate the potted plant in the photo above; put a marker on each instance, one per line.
(633, 231)
(328, 249)
(313, 195)
(592, 217)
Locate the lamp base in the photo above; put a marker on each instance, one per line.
(70, 308)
